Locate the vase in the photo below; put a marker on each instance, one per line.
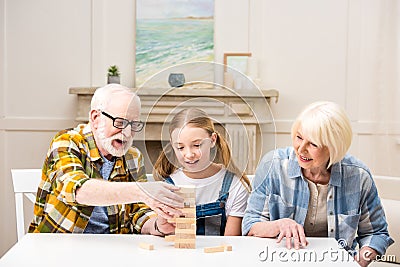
(113, 79)
(176, 79)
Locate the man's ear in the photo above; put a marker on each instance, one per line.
(94, 118)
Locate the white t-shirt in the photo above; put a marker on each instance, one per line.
(207, 190)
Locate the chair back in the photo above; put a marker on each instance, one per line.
(388, 187)
(150, 177)
(25, 182)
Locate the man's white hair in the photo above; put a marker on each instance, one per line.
(103, 95)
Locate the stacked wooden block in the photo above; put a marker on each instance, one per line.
(185, 230)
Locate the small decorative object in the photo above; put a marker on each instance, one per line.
(113, 74)
(176, 79)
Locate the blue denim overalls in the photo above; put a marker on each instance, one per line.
(211, 217)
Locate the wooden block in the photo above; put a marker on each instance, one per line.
(186, 195)
(185, 226)
(188, 245)
(169, 238)
(189, 212)
(185, 220)
(214, 249)
(189, 203)
(185, 231)
(186, 236)
(187, 189)
(227, 247)
(185, 240)
(146, 246)
(185, 245)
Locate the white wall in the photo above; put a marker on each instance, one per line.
(338, 50)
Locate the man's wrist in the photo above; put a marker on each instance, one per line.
(157, 229)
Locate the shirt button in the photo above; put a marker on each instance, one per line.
(331, 230)
(330, 197)
(331, 213)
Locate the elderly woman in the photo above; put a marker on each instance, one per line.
(315, 189)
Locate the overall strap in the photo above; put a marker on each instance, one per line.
(226, 184)
(223, 196)
(169, 180)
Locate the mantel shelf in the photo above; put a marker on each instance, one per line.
(190, 92)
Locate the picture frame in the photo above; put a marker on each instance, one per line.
(238, 66)
(236, 60)
(165, 30)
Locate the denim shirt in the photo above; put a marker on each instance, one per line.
(354, 210)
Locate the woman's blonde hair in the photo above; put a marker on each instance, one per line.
(167, 162)
(325, 124)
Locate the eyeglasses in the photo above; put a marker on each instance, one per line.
(121, 123)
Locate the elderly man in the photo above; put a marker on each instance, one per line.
(92, 176)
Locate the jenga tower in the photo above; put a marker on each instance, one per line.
(185, 231)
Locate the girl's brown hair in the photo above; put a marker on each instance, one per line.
(167, 161)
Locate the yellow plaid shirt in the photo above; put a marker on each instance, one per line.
(72, 159)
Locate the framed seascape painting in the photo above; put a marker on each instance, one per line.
(170, 33)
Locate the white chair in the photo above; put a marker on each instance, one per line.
(388, 192)
(26, 183)
(150, 177)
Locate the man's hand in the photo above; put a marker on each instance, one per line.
(164, 226)
(160, 197)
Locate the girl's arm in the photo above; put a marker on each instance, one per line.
(233, 225)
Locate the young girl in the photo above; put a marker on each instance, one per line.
(198, 155)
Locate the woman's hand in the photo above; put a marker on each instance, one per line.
(282, 228)
(292, 231)
(365, 256)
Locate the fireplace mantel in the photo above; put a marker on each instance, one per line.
(239, 115)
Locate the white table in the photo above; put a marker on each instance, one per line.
(123, 250)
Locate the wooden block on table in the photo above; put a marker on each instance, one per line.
(191, 245)
(169, 238)
(185, 240)
(214, 249)
(227, 247)
(147, 246)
